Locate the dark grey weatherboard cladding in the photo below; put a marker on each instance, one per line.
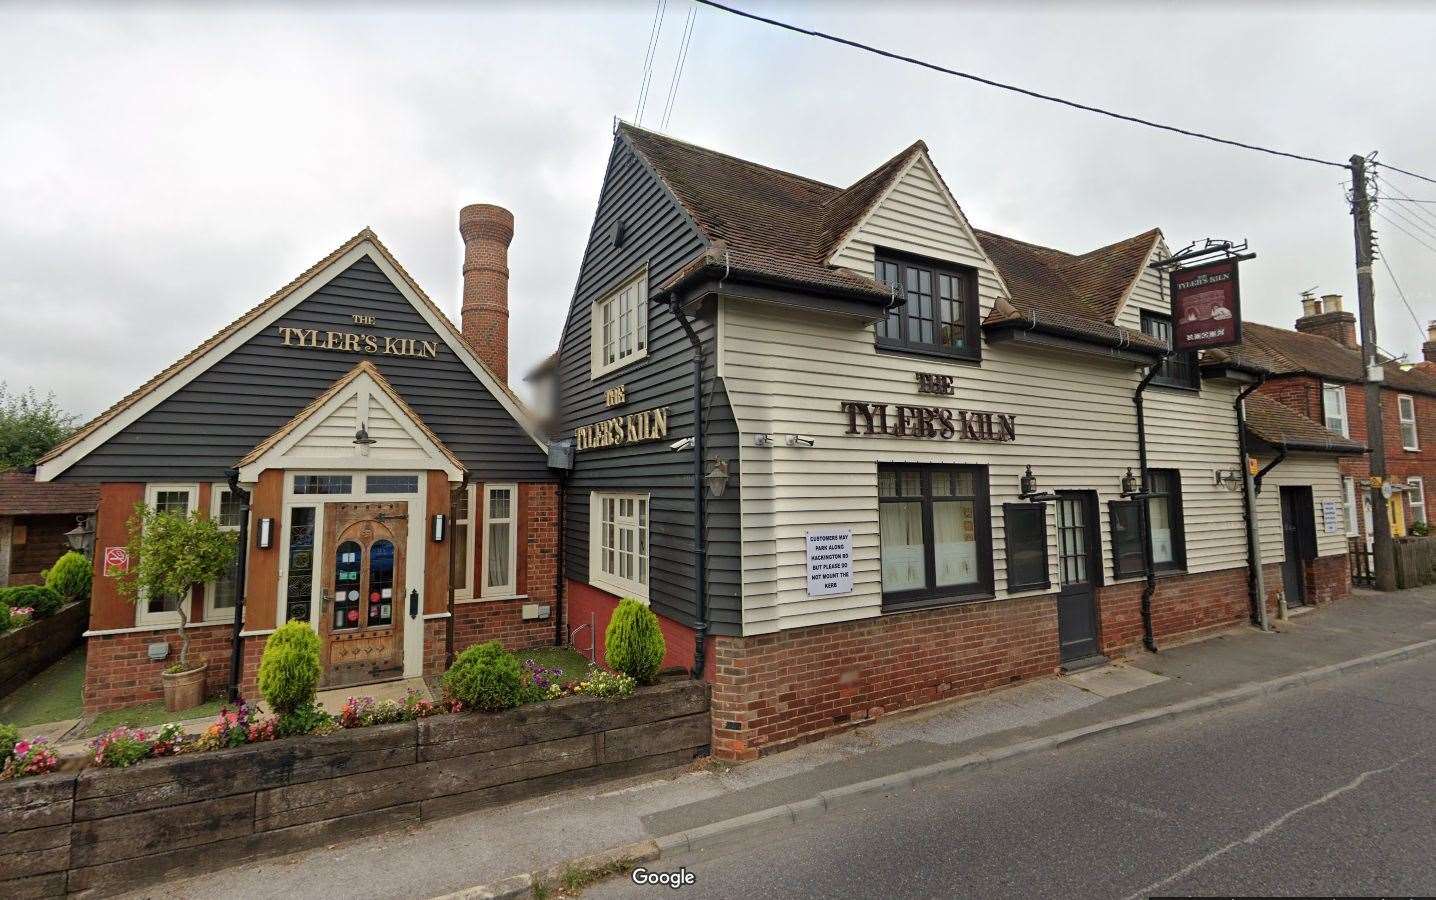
(657, 234)
(207, 425)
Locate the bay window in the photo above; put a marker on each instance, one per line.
(935, 533)
(618, 543)
(500, 547)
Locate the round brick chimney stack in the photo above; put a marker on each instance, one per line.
(484, 315)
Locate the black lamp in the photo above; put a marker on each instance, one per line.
(1027, 488)
(1131, 484)
(362, 440)
(79, 537)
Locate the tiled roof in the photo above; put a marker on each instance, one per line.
(22, 495)
(1278, 425)
(770, 223)
(1286, 352)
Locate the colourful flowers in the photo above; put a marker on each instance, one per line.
(361, 712)
(122, 746)
(29, 758)
(235, 728)
(598, 683)
(21, 616)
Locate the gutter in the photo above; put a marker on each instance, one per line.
(700, 549)
(1280, 456)
(1256, 579)
(1149, 638)
(241, 563)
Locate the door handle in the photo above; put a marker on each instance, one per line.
(414, 603)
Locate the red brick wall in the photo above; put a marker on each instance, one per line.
(587, 604)
(119, 672)
(1181, 605)
(501, 620)
(775, 690)
(435, 648)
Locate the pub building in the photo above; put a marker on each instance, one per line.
(903, 459)
(399, 499)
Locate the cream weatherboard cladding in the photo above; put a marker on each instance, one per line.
(1076, 425)
(1323, 475)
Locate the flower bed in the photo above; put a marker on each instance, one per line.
(157, 818)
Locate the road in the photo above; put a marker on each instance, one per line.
(1325, 789)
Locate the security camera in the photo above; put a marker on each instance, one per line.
(798, 440)
(762, 440)
(682, 444)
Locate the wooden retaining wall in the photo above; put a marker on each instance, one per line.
(102, 831)
(26, 651)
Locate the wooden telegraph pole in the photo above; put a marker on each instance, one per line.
(1385, 553)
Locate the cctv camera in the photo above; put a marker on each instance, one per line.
(797, 440)
(682, 444)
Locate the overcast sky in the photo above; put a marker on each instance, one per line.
(163, 169)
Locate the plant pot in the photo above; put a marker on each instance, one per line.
(184, 690)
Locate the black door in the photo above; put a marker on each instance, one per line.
(1298, 536)
(1079, 569)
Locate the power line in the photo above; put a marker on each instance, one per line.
(655, 32)
(1407, 200)
(1402, 294)
(1381, 164)
(678, 66)
(1015, 89)
(1407, 218)
(1423, 214)
(1394, 224)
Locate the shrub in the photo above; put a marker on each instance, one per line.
(633, 642)
(9, 737)
(70, 576)
(5, 618)
(43, 600)
(289, 668)
(305, 719)
(485, 677)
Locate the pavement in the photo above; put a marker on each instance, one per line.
(689, 811)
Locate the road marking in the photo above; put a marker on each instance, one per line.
(1267, 829)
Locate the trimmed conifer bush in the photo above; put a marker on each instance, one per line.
(4, 617)
(44, 600)
(70, 576)
(633, 642)
(486, 677)
(289, 668)
(9, 737)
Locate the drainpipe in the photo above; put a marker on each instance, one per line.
(449, 623)
(1256, 579)
(700, 550)
(559, 604)
(241, 561)
(1149, 638)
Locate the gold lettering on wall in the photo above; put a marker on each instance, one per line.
(634, 428)
(356, 342)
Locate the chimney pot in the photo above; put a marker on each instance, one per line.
(487, 231)
(1308, 305)
(1331, 303)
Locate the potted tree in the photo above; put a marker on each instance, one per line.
(171, 554)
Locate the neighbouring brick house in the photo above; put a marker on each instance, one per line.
(400, 500)
(806, 422)
(34, 519)
(1316, 370)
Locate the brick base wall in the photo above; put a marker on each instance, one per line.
(119, 672)
(775, 690)
(585, 605)
(503, 621)
(436, 633)
(1328, 578)
(1181, 605)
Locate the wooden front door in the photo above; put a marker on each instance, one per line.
(363, 614)
(1297, 518)
(1079, 567)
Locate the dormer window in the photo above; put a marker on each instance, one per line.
(935, 307)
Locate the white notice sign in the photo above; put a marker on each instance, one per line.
(830, 562)
(1331, 516)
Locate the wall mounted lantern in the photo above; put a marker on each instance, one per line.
(1131, 484)
(264, 534)
(1027, 488)
(440, 524)
(81, 537)
(716, 478)
(362, 440)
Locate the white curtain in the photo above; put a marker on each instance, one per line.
(901, 527)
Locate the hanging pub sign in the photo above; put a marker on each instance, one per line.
(1206, 306)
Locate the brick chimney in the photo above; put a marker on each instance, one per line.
(487, 231)
(1326, 318)
(1428, 349)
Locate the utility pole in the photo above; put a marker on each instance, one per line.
(1385, 553)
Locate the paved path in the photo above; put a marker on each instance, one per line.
(489, 845)
(1318, 790)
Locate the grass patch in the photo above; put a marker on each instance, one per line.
(572, 881)
(148, 714)
(51, 696)
(573, 664)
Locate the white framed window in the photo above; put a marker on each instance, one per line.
(618, 543)
(171, 499)
(1406, 410)
(1333, 404)
(219, 595)
(463, 541)
(1348, 487)
(500, 544)
(1416, 496)
(619, 326)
